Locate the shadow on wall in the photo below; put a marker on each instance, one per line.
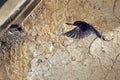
(2, 2)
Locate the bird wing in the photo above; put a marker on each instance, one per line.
(78, 33)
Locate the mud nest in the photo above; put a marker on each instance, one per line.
(11, 36)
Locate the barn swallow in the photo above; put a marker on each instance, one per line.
(15, 27)
(82, 30)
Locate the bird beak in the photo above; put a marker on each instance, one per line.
(68, 23)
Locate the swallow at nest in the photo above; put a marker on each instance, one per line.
(15, 27)
(82, 30)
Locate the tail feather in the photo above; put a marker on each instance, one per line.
(99, 36)
(102, 37)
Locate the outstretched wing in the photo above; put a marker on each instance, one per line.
(78, 33)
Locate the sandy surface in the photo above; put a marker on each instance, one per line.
(56, 57)
(47, 55)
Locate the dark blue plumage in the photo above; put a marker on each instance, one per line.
(15, 27)
(82, 30)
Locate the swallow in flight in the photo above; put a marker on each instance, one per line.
(82, 30)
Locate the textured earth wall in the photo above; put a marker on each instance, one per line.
(45, 54)
(56, 57)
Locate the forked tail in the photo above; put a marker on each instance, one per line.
(101, 37)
